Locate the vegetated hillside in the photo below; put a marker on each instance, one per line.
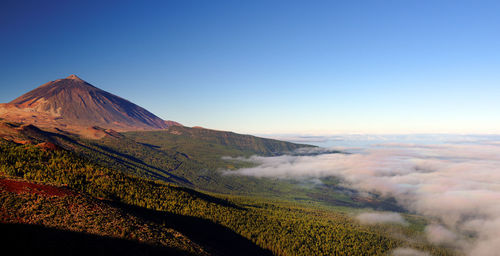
(279, 227)
(187, 139)
(196, 156)
(37, 218)
(193, 157)
(74, 104)
(188, 162)
(129, 156)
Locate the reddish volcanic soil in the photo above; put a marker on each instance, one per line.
(19, 187)
(49, 146)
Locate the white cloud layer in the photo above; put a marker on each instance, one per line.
(458, 185)
(408, 252)
(381, 217)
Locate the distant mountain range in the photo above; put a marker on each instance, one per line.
(75, 105)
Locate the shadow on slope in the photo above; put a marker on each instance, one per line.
(215, 238)
(23, 239)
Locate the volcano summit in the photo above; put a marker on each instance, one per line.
(73, 104)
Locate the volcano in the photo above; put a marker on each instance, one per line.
(73, 103)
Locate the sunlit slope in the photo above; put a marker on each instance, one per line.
(74, 104)
(200, 141)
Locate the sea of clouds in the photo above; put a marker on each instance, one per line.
(455, 184)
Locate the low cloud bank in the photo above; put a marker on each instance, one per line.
(357, 140)
(408, 252)
(372, 218)
(438, 234)
(458, 185)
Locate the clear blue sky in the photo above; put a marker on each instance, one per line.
(314, 67)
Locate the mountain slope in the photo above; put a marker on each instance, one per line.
(72, 220)
(72, 102)
(182, 137)
(220, 224)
